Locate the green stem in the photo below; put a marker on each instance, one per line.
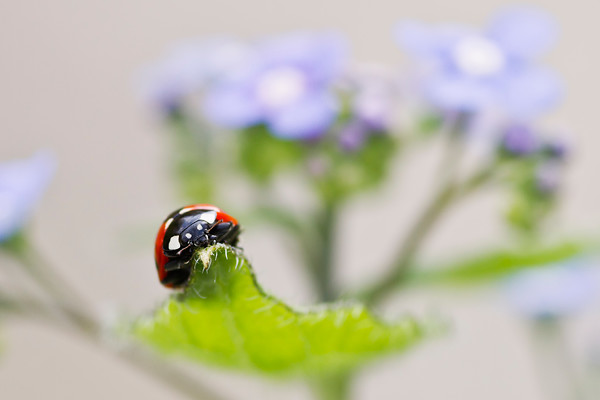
(407, 252)
(79, 319)
(334, 387)
(90, 330)
(558, 378)
(47, 277)
(193, 158)
(592, 373)
(446, 196)
(24, 306)
(323, 267)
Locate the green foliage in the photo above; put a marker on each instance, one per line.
(530, 204)
(262, 155)
(223, 317)
(193, 159)
(348, 172)
(498, 264)
(528, 211)
(429, 124)
(16, 244)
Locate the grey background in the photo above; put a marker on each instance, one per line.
(67, 83)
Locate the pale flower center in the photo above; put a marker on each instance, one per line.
(478, 56)
(282, 86)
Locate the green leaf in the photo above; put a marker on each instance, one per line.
(498, 264)
(223, 317)
(262, 155)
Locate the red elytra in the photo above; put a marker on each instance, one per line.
(159, 256)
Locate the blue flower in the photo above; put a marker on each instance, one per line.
(353, 135)
(22, 183)
(187, 68)
(553, 291)
(520, 140)
(471, 71)
(285, 84)
(374, 92)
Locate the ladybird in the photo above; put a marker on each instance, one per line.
(185, 230)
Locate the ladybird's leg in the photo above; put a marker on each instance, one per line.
(233, 236)
(219, 230)
(174, 265)
(223, 232)
(177, 274)
(177, 278)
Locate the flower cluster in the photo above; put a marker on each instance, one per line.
(285, 83)
(538, 162)
(302, 88)
(464, 69)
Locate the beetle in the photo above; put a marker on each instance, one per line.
(185, 230)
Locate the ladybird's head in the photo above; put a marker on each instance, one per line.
(195, 235)
(184, 235)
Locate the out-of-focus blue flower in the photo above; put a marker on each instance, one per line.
(22, 183)
(285, 84)
(187, 68)
(553, 291)
(520, 140)
(353, 135)
(374, 93)
(470, 70)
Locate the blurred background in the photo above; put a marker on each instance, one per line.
(68, 78)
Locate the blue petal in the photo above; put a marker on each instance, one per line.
(524, 32)
(306, 119)
(520, 140)
(320, 55)
(231, 107)
(553, 291)
(416, 38)
(187, 67)
(458, 93)
(529, 92)
(22, 183)
(426, 41)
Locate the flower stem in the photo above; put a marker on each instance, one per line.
(46, 275)
(64, 308)
(323, 268)
(410, 246)
(193, 158)
(446, 196)
(334, 387)
(558, 379)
